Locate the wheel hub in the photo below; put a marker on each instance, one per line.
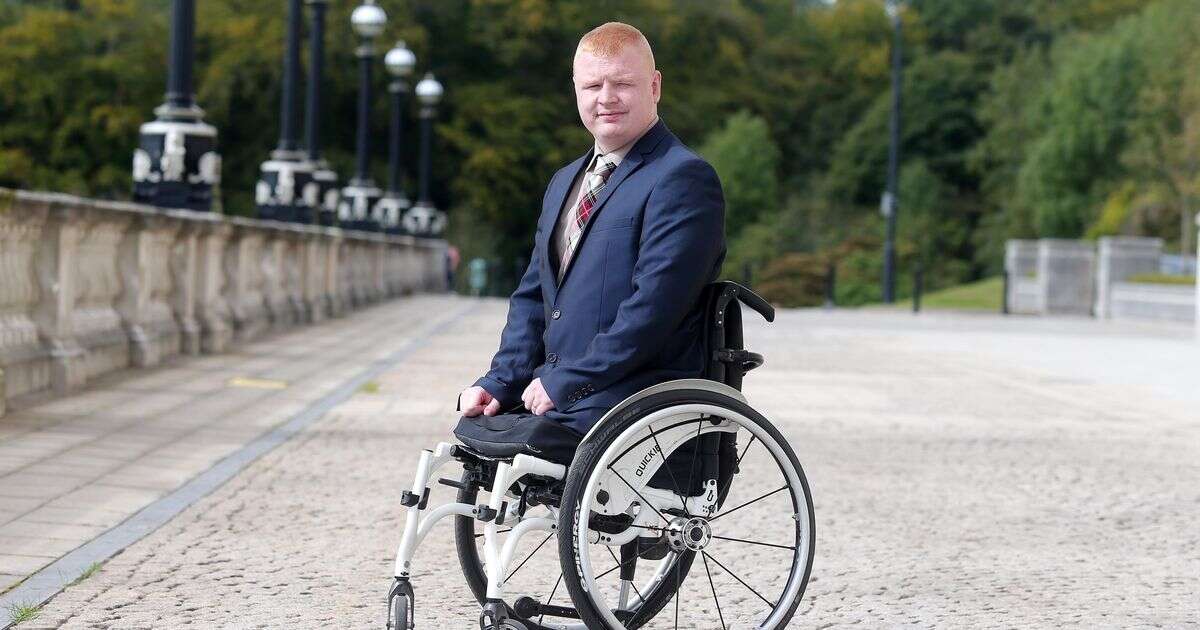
(684, 534)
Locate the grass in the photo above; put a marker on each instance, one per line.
(982, 295)
(87, 573)
(370, 387)
(1162, 278)
(20, 613)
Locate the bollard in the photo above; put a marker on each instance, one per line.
(918, 286)
(831, 286)
(1004, 296)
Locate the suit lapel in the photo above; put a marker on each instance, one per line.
(633, 160)
(556, 198)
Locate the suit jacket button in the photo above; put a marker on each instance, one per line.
(552, 358)
(556, 314)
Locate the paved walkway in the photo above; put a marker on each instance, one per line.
(968, 471)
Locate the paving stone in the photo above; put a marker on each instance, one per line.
(967, 472)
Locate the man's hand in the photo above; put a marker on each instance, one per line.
(476, 400)
(536, 399)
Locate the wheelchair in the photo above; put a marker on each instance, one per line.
(683, 507)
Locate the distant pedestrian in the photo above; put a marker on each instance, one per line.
(452, 260)
(477, 269)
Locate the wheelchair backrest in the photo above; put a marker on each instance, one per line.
(728, 360)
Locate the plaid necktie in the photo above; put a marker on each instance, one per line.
(592, 186)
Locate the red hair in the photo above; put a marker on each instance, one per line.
(608, 40)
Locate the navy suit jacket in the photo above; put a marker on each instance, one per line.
(626, 314)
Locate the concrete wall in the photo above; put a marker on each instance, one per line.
(1120, 258)
(90, 287)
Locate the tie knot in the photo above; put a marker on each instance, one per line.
(604, 167)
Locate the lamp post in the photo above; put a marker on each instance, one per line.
(286, 192)
(399, 62)
(423, 218)
(176, 164)
(890, 204)
(361, 194)
(324, 178)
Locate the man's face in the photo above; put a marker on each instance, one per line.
(617, 96)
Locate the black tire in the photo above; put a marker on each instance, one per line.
(399, 613)
(468, 553)
(586, 460)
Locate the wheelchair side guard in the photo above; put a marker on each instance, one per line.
(631, 474)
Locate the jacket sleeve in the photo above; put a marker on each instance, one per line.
(683, 238)
(521, 346)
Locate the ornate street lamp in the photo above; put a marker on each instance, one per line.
(890, 203)
(423, 218)
(399, 62)
(361, 194)
(286, 191)
(325, 180)
(176, 164)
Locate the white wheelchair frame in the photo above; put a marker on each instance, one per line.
(498, 554)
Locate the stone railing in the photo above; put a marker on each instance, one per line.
(90, 287)
(1050, 276)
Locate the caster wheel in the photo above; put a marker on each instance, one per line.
(398, 615)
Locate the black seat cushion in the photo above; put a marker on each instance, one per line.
(511, 434)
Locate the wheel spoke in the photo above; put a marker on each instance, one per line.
(535, 550)
(621, 564)
(754, 542)
(704, 557)
(695, 452)
(747, 503)
(743, 582)
(678, 587)
(739, 459)
(551, 598)
(639, 494)
(670, 472)
(502, 531)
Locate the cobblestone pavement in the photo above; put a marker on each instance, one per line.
(967, 471)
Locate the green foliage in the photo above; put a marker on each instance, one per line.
(981, 295)
(1020, 119)
(1162, 278)
(746, 159)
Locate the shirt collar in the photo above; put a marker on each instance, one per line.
(618, 154)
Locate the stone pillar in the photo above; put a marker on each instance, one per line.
(1121, 257)
(1020, 263)
(1066, 276)
(144, 305)
(212, 312)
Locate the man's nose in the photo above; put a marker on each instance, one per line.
(608, 93)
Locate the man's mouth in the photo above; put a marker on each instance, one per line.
(610, 115)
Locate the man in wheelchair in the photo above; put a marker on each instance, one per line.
(612, 414)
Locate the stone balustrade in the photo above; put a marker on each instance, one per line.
(90, 287)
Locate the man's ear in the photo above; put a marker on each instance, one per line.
(656, 86)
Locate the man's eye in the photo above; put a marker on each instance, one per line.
(592, 86)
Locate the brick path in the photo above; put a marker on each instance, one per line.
(968, 472)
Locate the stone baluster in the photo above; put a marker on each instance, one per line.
(184, 269)
(24, 366)
(145, 303)
(244, 282)
(212, 311)
(334, 274)
(56, 265)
